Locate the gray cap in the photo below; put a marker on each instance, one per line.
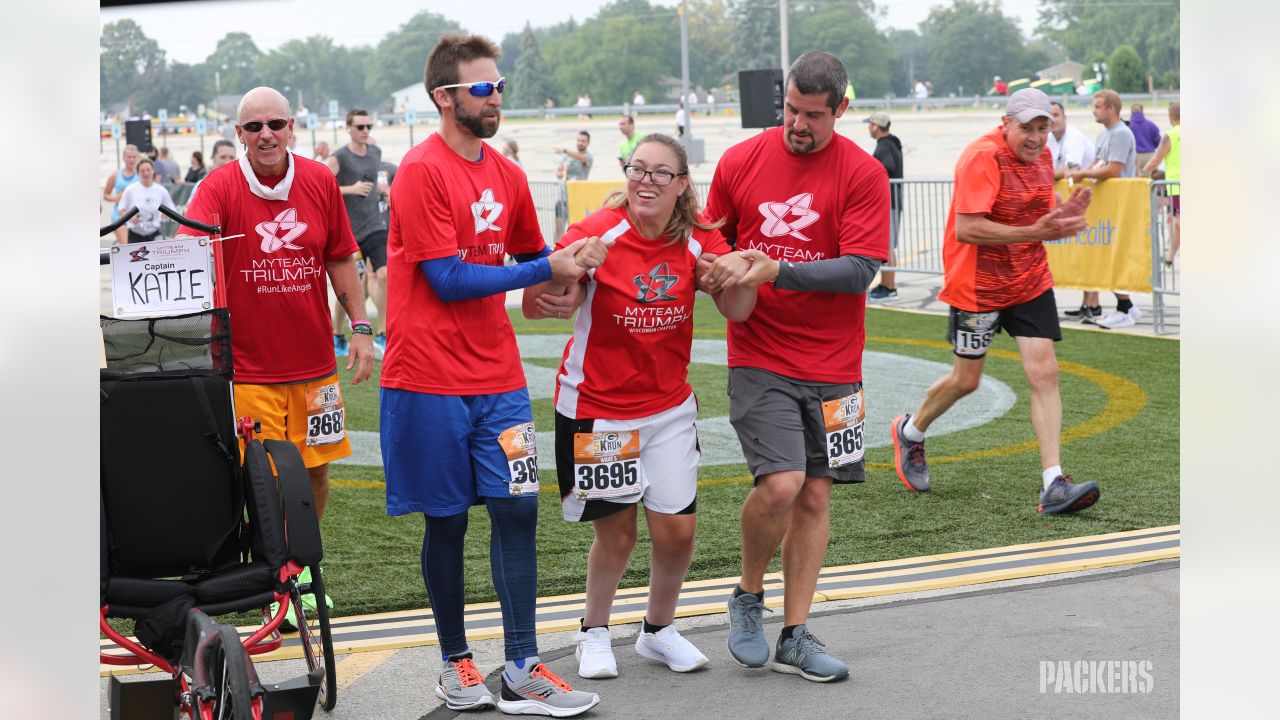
(1028, 104)
(880, 118)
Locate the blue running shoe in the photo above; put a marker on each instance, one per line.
(747, 645)
(804, 654)
(339, 346)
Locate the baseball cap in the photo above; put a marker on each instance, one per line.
(879, 118)
(1028, 104)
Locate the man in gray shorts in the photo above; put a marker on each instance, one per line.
(810, 210)
(356, 166)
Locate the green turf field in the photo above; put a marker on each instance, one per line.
(1120, 396)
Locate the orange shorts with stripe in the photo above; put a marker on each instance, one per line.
(311, 415)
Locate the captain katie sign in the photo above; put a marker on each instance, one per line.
(166, 277)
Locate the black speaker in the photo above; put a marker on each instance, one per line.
(138, 133)
(762, 93)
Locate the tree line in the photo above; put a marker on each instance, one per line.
(631, 45)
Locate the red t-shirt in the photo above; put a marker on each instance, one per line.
(441, 205)
(802, 208)
(629, 355)
(991, 180)
(276, 279)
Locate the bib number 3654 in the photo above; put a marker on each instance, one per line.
(843, 418)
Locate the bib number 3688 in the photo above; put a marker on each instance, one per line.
(843, 418)
(326, 415)
(520, 445)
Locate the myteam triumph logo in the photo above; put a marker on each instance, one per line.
(655, 285)
(281, 231)
(486, 211)
(788, 217)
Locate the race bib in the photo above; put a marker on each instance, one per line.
(843, 418)
(606, 464)
(974, 332)
(520, 445)
(326, 416)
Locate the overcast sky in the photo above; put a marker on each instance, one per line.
(188, 31)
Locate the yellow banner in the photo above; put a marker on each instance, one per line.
(1114, 252)
(586, 196)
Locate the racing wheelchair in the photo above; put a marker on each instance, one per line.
(192, 528)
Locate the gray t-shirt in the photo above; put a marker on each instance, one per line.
(1116, 144)
(363, 212)
(575, 170)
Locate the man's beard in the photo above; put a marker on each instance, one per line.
(475, 123)
(801, 145)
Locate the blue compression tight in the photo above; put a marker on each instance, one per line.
(514, 564)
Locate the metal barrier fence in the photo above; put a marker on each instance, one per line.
(1165, 227)
(546, 195)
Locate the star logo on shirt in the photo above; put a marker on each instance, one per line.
(486, 211)
(653, 286)
(789, 217)
(286, 222)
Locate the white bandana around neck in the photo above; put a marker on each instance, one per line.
(279, 192)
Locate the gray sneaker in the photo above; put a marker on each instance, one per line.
(908, 457)
(804, 654)
(1064, 496)
(542, 693)
(462, 686)
(747, 645)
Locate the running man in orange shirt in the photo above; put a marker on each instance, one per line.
(997, 278)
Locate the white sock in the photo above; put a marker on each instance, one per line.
(911, 432)
(1050, 474)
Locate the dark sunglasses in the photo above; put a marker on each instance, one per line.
(480, 89)
(256, 125)
(363, 127)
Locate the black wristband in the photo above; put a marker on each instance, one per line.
(361, 330)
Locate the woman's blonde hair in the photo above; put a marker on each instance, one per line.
(684, 216)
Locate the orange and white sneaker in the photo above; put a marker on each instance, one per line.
(462, 686)
(542, 693)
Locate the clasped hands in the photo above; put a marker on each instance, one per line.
(746, 268)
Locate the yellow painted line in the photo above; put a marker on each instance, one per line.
(357, 665)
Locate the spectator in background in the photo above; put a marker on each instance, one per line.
(1115, 157)
(637, 99)
(627, 126)
(223, 152)
(1146, 136)
(322, 152)
(167, 171)
(511, 150)
(681, 120)
(693, 100)
(889, 152)
(1170, 153)
(1068, 146)
(711, 102)
(147, 195)
(123, 177)
(197, 171)
(921, 94)
(575, 165)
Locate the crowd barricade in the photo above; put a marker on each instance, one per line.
(547, 195)
(921, 225)
(1165, 279)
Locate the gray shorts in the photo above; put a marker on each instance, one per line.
(780, 424)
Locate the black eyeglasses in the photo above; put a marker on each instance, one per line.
(480, 89)
(256, 125)
(661, 178)
(363, 127)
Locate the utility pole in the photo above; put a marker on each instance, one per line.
(783, 33)
(684, 71)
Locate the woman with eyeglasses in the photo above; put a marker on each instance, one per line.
(117, 182)
(147, 195)
(625, 411)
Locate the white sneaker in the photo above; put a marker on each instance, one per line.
(595, 654)
(1135, 313)
(1115, 319)
(668, 646)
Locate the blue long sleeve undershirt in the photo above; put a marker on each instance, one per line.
(452, 279)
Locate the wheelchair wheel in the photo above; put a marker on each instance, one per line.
(230, 678)
(317, 640)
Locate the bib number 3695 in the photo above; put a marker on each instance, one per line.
(606, 464)
(843, 418)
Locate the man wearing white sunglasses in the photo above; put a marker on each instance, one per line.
(456, 425)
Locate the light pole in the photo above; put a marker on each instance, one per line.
(783, 44)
